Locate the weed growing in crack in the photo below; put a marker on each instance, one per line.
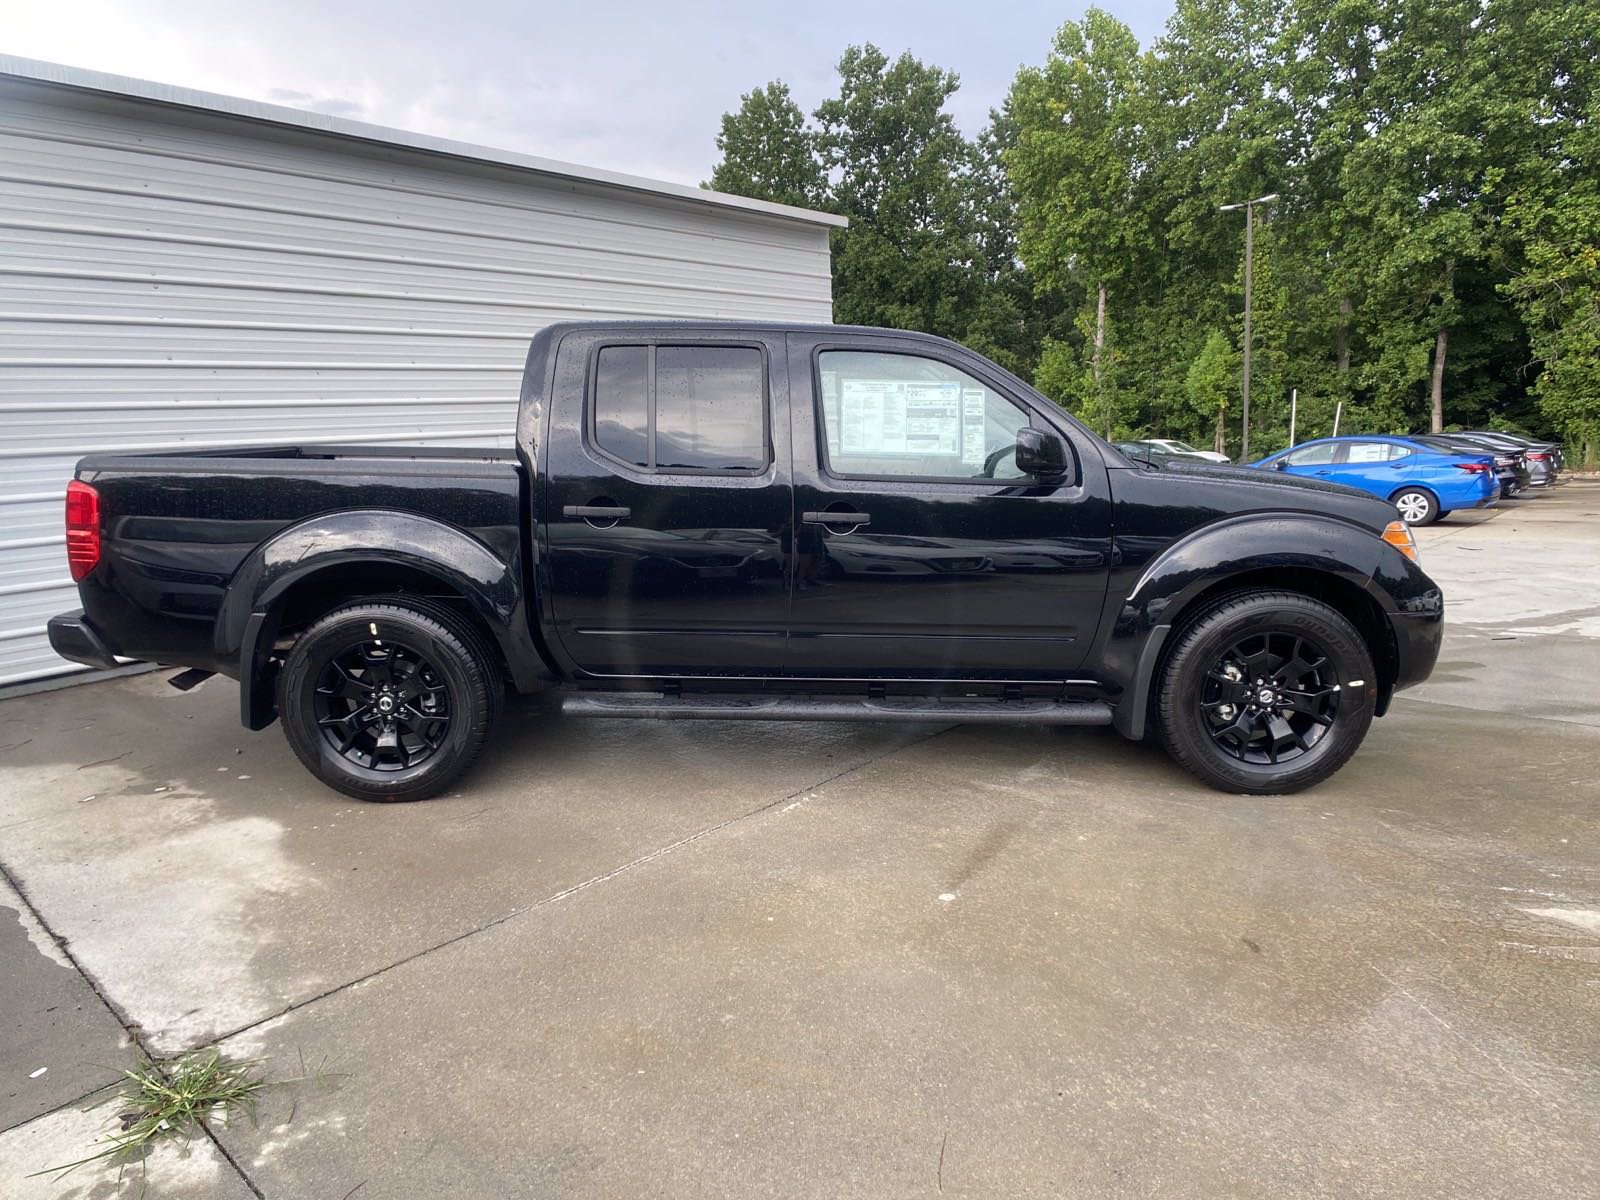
(175, 1099)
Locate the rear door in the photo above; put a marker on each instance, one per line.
(1365, 465)
(921, 550)
(667, 504)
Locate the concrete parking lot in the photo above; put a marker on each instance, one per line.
(681, 959)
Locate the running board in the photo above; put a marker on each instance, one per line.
(964, 711)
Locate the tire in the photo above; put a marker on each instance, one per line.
(433, 675)
(1214, 661)
(1419, 501)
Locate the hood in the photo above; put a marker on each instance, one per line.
(1246, 489)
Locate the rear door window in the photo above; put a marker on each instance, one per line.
(710, 409)
(681, 409)
(1370, 452)
(621, 411)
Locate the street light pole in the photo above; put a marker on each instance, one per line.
(1249, 207)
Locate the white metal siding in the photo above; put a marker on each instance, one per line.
(171, 277)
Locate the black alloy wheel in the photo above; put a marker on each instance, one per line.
(382, 706)
(1265, 692)
(391, 698)
(1270, 698)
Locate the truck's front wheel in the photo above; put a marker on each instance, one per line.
(388, 700)
(1266, 693)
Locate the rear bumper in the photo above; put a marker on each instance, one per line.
(72, 637)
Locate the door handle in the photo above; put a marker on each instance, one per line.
(1324, 472)
(596, 512)
(835, 517)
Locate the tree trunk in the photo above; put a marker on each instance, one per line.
(1439, 347)
(1099, 349)
(1341, 336)
(1219, 443)
(1438, 380)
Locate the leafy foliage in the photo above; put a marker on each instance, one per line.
(768, 153)
(1434, 259)
(1210, 385)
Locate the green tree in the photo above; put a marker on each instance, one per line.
(1210, 384)
(911, 257)
(1452, 112)
(1553, 221)
(1072, 165)
(1431, 261)
(1004, 323)
(768, 152)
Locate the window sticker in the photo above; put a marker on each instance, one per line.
(898, 416)
(1368, 452)
(973, 440)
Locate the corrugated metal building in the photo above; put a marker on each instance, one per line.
(184, 269)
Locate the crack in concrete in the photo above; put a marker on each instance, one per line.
(131, 1028)
(55, 1108)
(574, 889)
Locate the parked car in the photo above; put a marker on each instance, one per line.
(767, 522)
(1156, 454)
(1176, 447)
(1422, 482)
(1510, 466)
(1544, 458)
(1541, 469)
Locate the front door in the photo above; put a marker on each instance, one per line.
(1314, 460)
(667, 504)
(922, 551)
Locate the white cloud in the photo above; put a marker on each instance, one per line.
(635, 87)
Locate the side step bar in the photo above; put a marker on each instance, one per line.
(801, 708)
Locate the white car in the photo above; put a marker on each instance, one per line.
(1173, 447)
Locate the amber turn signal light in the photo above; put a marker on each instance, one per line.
(1398, 534)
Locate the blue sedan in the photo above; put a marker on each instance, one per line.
(1422, 482)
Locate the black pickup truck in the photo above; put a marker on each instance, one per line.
(756, 522)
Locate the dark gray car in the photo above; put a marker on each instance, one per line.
(1540, 461)
(1533, 446)
(1510, 466)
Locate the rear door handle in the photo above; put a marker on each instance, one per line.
(834, 517)
(596, 512)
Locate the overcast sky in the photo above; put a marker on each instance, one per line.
(631, 86)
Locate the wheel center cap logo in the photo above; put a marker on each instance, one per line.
(1265, 696)
(386, 704)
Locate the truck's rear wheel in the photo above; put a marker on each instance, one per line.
(1266, 693)
(388, 700)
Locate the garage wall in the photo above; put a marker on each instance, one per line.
(172, 276)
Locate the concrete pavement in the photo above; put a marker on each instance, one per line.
(777, 960)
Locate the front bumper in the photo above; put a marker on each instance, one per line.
(1417, 638)
(72, 637)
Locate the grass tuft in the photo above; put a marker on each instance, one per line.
(173, 1101)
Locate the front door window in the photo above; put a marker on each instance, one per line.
(901, 416)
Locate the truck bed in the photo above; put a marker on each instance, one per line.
(180, 526)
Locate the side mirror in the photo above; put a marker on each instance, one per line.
(1041, 453)
(1281, 465)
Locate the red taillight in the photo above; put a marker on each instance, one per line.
(1474, 468)
(83, 529)
(1538, 456)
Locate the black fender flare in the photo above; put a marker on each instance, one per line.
(493, 588)
(1250, 544)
